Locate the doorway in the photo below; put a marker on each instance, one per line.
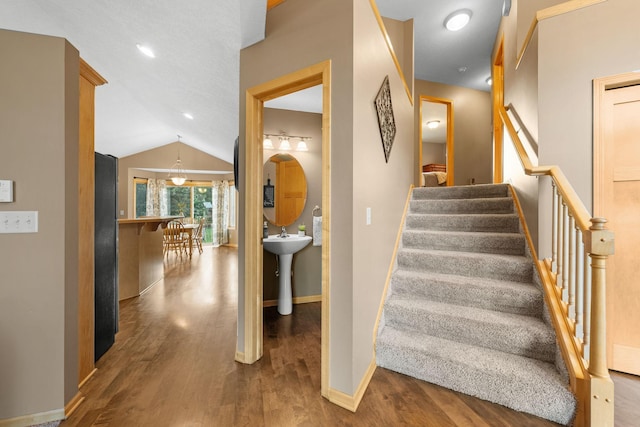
(497, 80)
(436, 137)
(319, 74)
(617, 198)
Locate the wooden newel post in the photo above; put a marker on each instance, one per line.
(600, 245)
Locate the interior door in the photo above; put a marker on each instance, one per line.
(621, 206)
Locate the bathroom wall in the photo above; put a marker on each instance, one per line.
(307, 264)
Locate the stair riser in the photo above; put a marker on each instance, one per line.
(461, 192)
(494, 244)
(467, 294)
(502, 223)
(534, 342)
(517, 269)
(468, 206)
(540, 401)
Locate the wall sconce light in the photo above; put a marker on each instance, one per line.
(302, 145)
(457, 20)
(267, 143)
(489, 81)
(432, 124)
(284, 143)
(177, 174)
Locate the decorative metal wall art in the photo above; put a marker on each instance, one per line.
(386, 122)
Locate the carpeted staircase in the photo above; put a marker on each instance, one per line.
(464, 309)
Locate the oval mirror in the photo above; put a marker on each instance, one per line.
(285, 189)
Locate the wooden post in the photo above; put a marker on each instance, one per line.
(600, 245)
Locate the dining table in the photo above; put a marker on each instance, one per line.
(189, 229)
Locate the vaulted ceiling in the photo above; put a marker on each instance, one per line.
(196, 65)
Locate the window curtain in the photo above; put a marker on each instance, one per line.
(157, 197)
(220, 212)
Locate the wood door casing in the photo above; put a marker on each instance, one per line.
(620, 204)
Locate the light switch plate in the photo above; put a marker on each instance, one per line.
(6, 191)
(18, 222)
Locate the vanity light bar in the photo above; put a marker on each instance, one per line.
(285, 145)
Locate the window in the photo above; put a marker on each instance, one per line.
(140, 196)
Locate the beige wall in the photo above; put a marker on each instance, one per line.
(38, 299)
(473, 141)
(401, 36)
(307, 263)
(303, 33)
(434, 153)
(552, 89)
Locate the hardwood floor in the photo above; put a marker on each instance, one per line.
(173, 365)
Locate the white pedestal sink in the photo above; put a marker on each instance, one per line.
(285, 247)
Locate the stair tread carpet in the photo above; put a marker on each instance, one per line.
(463, 311)
(507, 332)
(505, 222)
(494, 266)
(503, 295)
(467, 241)
(521, 383)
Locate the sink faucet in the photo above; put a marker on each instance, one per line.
(283, 232)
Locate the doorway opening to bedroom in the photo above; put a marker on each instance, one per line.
(436, 141)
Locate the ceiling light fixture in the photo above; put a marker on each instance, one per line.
(462, 69)
(177, 174)
(432, 124)
(457, 20)
(146, 50)
(188, 116)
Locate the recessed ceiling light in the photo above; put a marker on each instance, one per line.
(457, 20)
(432, 124)
(146, 50)
(489, 81)
(188, 116)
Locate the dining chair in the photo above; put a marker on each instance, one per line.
(197, 235)
(174, 238)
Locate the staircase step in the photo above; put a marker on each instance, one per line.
(495, 243)
(492, 266)
(499, 223)
(461, 192)
(510, 333)
(517, 382)
(494, 205)
(499, 295)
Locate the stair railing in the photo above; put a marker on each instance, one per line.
(575, 290)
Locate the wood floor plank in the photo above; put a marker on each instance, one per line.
(172, 364)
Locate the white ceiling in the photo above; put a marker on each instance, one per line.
(196, 68)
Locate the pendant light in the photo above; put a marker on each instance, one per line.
(177, 174)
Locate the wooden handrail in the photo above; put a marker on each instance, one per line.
(577, 301)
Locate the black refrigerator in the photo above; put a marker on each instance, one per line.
(106, 253)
